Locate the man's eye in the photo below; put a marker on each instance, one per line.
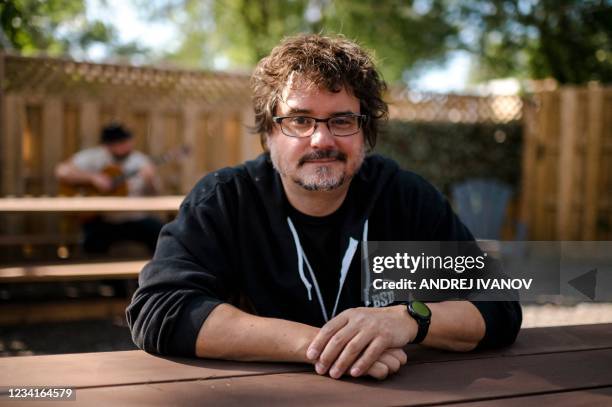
(343, 121)
(300, 121)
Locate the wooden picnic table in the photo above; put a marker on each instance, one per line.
(91, 204)
(564, 366)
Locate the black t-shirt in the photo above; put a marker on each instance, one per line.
(322, 243)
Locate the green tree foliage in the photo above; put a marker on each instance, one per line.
(243, 31)
(54, 26)
(569, 40)
(57, 27)
(404, 34)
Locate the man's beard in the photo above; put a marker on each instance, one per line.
(324, 177)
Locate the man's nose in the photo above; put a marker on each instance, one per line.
(322, 137)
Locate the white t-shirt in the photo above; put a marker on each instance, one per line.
(96, 159)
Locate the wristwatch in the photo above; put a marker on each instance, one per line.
(422, 315)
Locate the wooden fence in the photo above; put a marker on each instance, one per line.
(567, 164)
(51, 108)
(408, 105)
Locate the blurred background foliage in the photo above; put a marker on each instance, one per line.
(448, 153)
(57, 27)
(518, 38)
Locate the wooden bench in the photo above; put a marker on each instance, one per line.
(72, 272)
(69, 309)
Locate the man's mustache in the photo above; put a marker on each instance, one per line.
(322, 154)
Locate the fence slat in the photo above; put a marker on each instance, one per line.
(528, 181)
(567, 162)
(89, 123)
(13, 164)
(52, 142)
(250, 147)
(592, 157)
(189, 173)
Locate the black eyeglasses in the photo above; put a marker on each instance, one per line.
(304, 126)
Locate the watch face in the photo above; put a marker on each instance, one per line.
(420, 309)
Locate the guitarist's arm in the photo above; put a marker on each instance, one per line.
(69, 173)
(150, 179)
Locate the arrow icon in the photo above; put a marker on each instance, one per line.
(585, 284)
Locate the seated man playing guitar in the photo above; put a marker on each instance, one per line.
(113, 168)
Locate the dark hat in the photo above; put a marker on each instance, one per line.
(114, 133)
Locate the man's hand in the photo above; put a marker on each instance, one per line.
(147, 173)
(389, 363)
(356, 339)
(101, 182)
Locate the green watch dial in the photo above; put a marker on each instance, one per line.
(421, 309)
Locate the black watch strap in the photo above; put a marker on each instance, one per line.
(422, 315)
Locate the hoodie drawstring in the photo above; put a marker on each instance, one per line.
(346, 263)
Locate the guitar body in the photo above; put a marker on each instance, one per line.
(113, 171)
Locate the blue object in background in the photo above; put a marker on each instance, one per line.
(481, 204)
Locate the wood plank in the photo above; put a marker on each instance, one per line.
(156, 132)
(249, 142)
(39, 239)
(52, 142)
(12, 169)
(72, 310)
(567, 163)
(532, 341)
(72, 141)
(3, 129)
(581, 398)
(529, 163)
(125, 367)
(71, 272)
(232, 139)
(544, 139)
(189, 172)
(592, 161)
(82, 370)
(91, 204)
(431, 383)
(89, 124)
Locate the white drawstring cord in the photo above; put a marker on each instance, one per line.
(346, 263)
(300, 257)
(366, 289)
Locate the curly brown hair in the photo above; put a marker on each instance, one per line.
(332, 63)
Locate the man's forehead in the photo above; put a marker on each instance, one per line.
(299, 92)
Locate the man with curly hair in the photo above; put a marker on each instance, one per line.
(261, 262)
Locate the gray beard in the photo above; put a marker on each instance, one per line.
(322, 182)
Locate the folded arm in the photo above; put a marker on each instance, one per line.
(231, 334)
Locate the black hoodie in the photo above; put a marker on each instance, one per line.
(232, 241)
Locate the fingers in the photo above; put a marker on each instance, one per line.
(335, 346)
(389, 363)
(325, 334)
(349, 354)
(378, 371)
(399, 354)
(369, 356)
(392, 363)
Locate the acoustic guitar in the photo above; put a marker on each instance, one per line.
(119, 177)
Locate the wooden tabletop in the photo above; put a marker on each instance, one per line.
(561, 366)
(91, 204)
